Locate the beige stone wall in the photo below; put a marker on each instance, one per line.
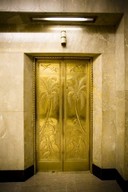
(122, 95)
(126, 88)
(11, 111)
(80, 40)
(29, 124)
(97, 111)
(120, 101)
(108, 108)
(62, 5)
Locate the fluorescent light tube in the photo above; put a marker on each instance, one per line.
(64, 19)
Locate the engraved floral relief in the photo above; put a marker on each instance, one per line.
(76, 95)
(48, 131)
(76, 133)
(48, 140)
(68, 131)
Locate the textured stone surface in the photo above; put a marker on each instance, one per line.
(120, 99)
(97, 111)
(11, 111)
(11, 94)
(11, 142)
(126, 88)
(62, 182)
(120, 135)
(126, 136)
(28, 112)
(87, 40)
(79, 39)
(62, 5)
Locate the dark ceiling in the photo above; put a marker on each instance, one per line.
(9, 20)
(19, 18)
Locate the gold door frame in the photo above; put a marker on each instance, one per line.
(90, 101)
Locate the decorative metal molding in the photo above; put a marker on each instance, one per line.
(34, 113)
(63, 58)
(91, 111)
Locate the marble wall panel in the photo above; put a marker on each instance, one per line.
(109, 82)
(79, 39)
(26, 5)
(28, 140)
(108, 139)
(109, 94)
(126, 53)
(5, 5)
(120, 100)
(120, 131)
(126, 136)
(51, 6)
(11, 141)
(28, 83)
(11, 111)
(62, 5)
(92, 6)
(74, 6)
(28, 112)
(120, 58)
(97, 111)
(11, 79)
(126, 89)
(108, 109)
(106, 6)
(126, 60)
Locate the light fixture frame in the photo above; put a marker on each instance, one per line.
(63, 19)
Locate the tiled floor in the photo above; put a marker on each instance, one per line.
(62, 182)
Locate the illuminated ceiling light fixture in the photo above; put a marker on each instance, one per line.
(64, 19)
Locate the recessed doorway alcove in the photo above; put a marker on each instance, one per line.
(95, 135)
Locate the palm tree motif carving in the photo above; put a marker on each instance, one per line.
(49, 100)
(62, 114)
(76, 94)
(76, 101)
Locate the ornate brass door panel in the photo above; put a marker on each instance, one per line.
(63, 114)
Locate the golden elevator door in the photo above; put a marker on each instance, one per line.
(63, 115)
